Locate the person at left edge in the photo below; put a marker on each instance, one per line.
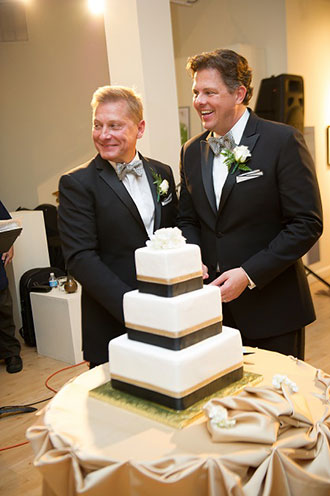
(10, 347)
(105, 214)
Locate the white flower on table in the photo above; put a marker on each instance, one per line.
(218, 416)
(279, 379)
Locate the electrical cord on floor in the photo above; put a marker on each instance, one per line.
(40, 401)
(15, 409)
(5, 411)
(57, 372)
(14, 446)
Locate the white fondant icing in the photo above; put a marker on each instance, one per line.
(168, 264)
(172, 314)
(175, 370)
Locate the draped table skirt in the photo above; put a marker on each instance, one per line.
(85, 446)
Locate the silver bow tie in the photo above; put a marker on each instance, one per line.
(217, 144)
(135, 167)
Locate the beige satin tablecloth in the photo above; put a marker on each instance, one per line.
(85, 446)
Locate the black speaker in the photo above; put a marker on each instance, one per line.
(281, 99)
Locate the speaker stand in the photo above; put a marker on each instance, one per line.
(309, 271)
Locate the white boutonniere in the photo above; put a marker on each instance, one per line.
(162, 185)
(237, 158)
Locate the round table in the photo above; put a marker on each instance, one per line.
(86, 446)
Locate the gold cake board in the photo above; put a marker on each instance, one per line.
(173, 418)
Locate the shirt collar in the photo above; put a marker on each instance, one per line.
(238, 129)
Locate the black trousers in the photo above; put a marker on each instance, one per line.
(9, 344)
(288, 343)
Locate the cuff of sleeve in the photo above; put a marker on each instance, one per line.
(251, 284)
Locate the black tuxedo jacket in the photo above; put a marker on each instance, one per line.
(100, 228)
(4, 215)
(265, 224)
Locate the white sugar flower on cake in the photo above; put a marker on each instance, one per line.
(166, 238)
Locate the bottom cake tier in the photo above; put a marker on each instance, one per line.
(176, 379)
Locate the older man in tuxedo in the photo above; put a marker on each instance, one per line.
(108, 208)
(250, 199)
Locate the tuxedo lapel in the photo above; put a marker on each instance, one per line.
(250, 136)
(149, 168)
(108, 174)
(207, 177)
(226, 190)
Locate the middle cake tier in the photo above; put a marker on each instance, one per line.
(173, 323)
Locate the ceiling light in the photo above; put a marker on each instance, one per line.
(96, 6)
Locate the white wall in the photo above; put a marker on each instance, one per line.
(46, 85)
(308, 34)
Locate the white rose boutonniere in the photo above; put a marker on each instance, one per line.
(162, 185)
(237, 158)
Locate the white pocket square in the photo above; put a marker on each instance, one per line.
(167, 200)
(246, 176)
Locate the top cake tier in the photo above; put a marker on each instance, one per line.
(169, 272)
(168, 266)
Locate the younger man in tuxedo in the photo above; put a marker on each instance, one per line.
(253, 220)
(108, 208)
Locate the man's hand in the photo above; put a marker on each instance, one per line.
(8, 256)
(232, 283)
(205, 271)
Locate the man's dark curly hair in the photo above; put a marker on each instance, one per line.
(233, 68)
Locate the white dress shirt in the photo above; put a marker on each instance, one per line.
(220, 170)
(139, 189)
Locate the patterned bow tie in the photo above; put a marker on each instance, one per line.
(217, 144)
(135, 167)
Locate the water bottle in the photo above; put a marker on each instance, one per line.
(52, 280)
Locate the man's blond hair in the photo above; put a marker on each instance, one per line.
(106, 94)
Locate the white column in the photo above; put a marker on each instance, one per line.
(140, 55)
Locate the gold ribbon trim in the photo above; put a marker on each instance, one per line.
(168, 282)
(175, 334)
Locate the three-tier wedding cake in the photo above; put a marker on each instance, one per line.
(176, 350)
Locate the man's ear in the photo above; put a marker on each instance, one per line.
(240, 94)
(141, 128)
